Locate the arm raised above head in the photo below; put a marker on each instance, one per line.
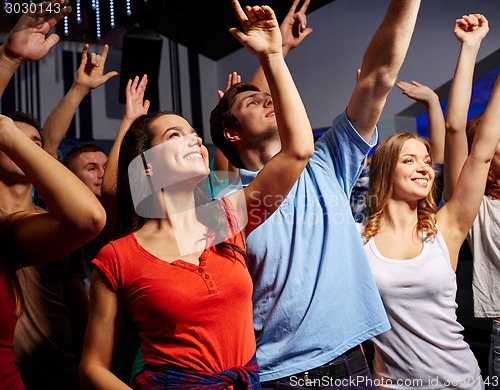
(76, 216)
(90, 75)
(135, 106)
(458, 214)
(381, 64)
(470, 30)
(425, 95)
(293, 31)
(262, 37)
(28, 40)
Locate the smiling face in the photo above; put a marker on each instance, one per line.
(413, 173)
(177, 149)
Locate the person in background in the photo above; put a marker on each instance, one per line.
(33, 237)
(89, 76)
(460, 134)
(87, 162)
(30, 236)
(49, 334)
(293, 30)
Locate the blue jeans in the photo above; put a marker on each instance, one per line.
(494, 360)
(361, 379)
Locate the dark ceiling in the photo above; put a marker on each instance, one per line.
(201, 25)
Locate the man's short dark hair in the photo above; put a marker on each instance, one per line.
(74, 152)
(222, 118)
(24, 117)
(19, 116)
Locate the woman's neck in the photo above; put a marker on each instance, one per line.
(400, 215)
(180, 230)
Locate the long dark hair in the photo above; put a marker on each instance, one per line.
(136, 141)
(215, 215)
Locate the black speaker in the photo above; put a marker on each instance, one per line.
(141, 55)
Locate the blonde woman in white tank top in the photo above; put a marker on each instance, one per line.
(413, 251)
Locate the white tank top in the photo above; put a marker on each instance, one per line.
(484, 242)
(424, 349)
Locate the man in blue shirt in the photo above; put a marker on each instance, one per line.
(314, 296)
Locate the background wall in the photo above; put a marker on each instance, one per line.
(324, 67)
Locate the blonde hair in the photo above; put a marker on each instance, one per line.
(381, 183)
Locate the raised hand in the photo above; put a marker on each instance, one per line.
(88, 76)
(416, 91)
(27, 41)
(293, 31)
(135, 105)
(425, 95)
(294, 27)
(471, 28)
(233, 78)
(90, 73)
(261, 34)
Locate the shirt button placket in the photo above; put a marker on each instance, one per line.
(206, 278)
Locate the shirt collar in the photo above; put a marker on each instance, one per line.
(247, 176)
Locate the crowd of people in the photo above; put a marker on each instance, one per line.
(220, 280)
